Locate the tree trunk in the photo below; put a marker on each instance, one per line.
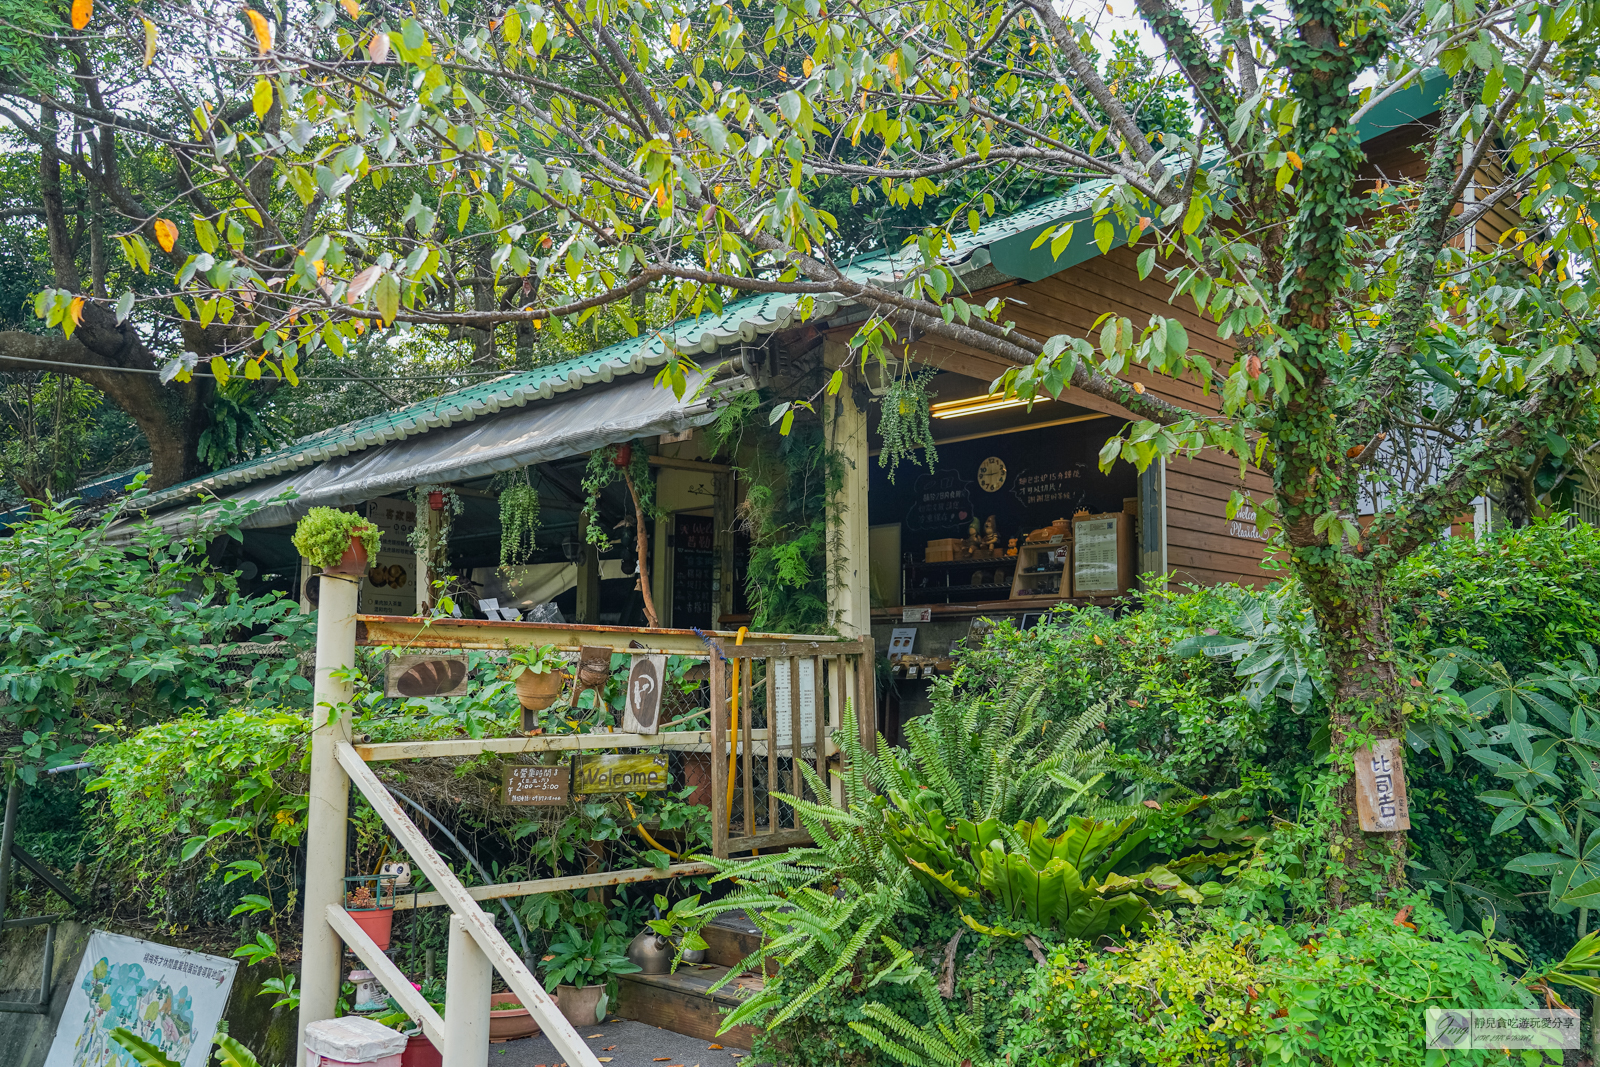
(1368, 700)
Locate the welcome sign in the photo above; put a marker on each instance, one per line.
(620, 772)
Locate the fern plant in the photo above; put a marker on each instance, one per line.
(950, 1039)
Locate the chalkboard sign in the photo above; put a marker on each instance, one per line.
(942, 500)
(694, 571)
(524, 784)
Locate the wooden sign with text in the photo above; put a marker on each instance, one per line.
(620, 772)
(526, 783)
(1381, 788)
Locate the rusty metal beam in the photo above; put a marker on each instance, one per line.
(402, 631)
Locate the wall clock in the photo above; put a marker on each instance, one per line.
(991, 474)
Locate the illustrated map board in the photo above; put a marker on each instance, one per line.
(169, 996)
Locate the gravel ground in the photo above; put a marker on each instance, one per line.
(626, 1044)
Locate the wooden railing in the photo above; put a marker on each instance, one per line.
(794, 692)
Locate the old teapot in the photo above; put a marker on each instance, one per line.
(652, 952)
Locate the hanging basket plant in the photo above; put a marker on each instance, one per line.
(519, 518)
(904, 423)
(432, 545)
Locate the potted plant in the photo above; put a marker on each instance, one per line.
(339, 542)
(370, 903)
(419, 1051)
(577, 969)
(508, 1019)
(540, 677)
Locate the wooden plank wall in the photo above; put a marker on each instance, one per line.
(1200, 546)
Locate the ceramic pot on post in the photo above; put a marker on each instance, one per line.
(353, 563)
(536, 692)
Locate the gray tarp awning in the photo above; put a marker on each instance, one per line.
(516, 437)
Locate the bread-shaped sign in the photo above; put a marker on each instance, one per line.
(427, 676)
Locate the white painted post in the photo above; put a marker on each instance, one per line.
(466, 998)
(328, 813)
(849, 575)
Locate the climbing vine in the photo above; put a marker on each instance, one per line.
(519, 517)
(433, 546)
(904, 422)
(606, 466)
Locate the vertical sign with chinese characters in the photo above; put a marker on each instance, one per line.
(1381, 787)
(782, 715)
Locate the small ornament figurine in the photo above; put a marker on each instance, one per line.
(991, 535)
(972, 537)
(1011, 547)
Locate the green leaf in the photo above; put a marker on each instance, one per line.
(143, 1052)
(386, 296)
(1147, 262)
(124, 306)
(191, 847)
(232, 1054)
(1196, 214)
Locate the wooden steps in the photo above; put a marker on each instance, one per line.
(682, 1002)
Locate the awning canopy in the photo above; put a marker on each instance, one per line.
(538, 432)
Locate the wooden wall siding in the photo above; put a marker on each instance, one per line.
(1199, 546)
(1394, 157)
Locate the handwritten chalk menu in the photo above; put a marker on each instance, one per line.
(694, 571)
(943, 500)
(782, 713)
(1094, 555)
(529, 784)
(1034, 488)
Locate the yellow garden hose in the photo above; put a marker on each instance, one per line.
(639, 826)
(733, 745)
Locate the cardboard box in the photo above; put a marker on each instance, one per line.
(945, 550)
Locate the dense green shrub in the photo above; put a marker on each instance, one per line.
(1518, 596)
(1347, 992)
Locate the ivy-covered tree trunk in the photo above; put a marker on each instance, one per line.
(1368, 703)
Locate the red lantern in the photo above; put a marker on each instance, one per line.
(436, 500)
(624, 455)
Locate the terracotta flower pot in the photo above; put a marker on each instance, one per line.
(508, 1024)
(354, 561)
(538, 691)
(580, 1004)
(420, 1052)
(376, 923)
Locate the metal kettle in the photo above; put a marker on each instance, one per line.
(652, 952)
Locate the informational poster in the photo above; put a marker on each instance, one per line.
(391, 585)
(171, 997)
(783, 716)
(694, 570)
(902, 639)
(1094, 554)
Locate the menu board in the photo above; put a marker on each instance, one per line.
(1094, 554)
(694, 571)
(782, 714)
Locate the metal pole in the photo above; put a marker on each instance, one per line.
(8, 833)
(467, 979)
(328, 813)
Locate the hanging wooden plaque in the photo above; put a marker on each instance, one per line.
(426, 676)
(1381, 787)
(642, 714)
(620, 772)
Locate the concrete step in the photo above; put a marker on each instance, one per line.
(682, 1002)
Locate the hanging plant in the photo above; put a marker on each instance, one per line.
(519, 517)
(905, 424)
(632, 465)
(433, 546)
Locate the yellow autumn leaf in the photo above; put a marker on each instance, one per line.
(676, 33)
(82, 10)
(486, 140)
(661, 196)
(351, 8)
(808, 66)
(75, 313)
(166, 234)
(258, 23)
(149, 42)
(1294, 161)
